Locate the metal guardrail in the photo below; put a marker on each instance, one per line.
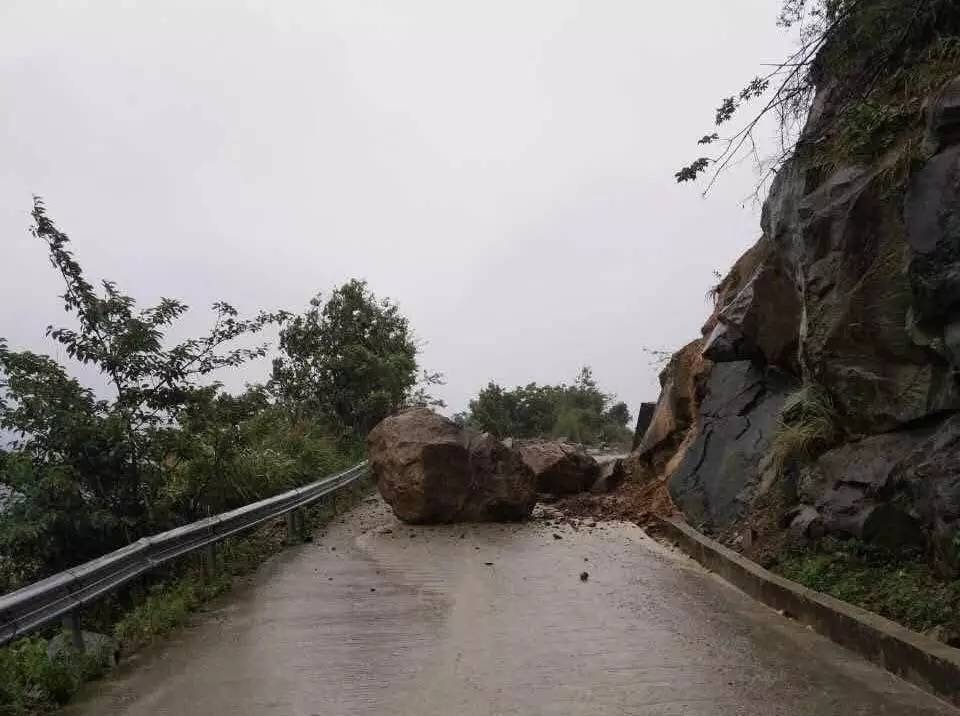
(64, 594)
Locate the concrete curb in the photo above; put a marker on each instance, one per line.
(924, 662)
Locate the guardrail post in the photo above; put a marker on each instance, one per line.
(208, 562)
(301, 518)
(291, 527)
(71, 622)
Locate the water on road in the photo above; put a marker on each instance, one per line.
(375, 617)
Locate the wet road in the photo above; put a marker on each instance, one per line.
(379, 618)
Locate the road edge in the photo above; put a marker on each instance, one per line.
(920, 660)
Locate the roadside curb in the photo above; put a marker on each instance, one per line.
(924, 662)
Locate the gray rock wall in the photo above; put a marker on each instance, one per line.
(854, 287)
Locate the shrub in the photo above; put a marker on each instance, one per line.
(31, 682)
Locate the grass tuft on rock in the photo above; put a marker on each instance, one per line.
(809, 425)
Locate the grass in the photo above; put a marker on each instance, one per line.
(900, 587)
(33, 683)
(808, 425)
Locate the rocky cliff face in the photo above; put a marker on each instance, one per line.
(824, 387)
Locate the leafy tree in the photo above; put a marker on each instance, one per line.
(85, 474)
(579, 412)
(350, 360)
(618, 414)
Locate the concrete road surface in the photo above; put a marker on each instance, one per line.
(379, 618)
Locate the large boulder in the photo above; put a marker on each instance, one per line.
(717, 479)
(675, 414)
(847, 512)
(559, 468)
(884, 488)
(612, 474)
(737, 277)
(930, 475)
(430, 470)
(867, 466)
(761, 321)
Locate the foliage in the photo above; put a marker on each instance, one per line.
(897, 586)
(83, 474)
(86, 474)
(232, 450)
(808, 425)
(32, 682)
(350, 360)
(879, 59)
(167, 607)
(579, 412)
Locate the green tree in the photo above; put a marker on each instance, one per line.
(618, 414)
(85, 474)
(494, 411)
(350, 360)
(580, 412)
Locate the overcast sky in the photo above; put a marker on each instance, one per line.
(503, 170)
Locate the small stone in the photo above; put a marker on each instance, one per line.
(556, 536)
(584, 576)
(373, 589)
(489, 564)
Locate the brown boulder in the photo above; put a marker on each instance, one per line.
(676, 408)
(761, 320)
(560, 468)
(429, 470)
(611, 475)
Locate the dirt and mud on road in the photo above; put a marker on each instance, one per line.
(556, 616)
(634, 501)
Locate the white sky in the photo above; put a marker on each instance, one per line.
(501, 169)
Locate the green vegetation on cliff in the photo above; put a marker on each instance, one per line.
(874, 62)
